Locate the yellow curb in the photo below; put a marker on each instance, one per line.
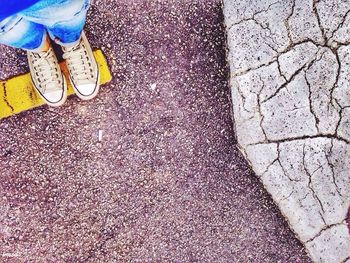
(17, 94)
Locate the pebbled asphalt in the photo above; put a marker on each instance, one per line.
(147, 172)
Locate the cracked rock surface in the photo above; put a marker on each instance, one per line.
(290, 86)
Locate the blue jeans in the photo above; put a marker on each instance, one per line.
(62, 20)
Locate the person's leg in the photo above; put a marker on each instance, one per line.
(18, 32)
(15, 31)
(64, 20)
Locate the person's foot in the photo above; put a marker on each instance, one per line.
(83, 69)
(47, 77)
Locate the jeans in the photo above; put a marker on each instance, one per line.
(62, 20)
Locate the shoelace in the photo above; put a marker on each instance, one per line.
(43, 64)
(78, 63)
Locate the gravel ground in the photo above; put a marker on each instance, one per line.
(148, 171)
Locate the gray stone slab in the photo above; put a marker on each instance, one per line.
(289, 63)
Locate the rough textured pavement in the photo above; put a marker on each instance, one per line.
(164, 182)
(290, 88)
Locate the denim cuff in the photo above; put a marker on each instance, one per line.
(8, 23)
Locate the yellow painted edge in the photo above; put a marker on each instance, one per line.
(17, 94)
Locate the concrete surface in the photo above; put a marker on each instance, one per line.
(291, 96)
(147, 172)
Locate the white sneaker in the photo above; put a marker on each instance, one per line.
(47, 77)
(83, 69)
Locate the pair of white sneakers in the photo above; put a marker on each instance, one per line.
(51, 84)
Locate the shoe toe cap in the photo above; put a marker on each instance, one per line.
(87, 89)
(54, 96)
